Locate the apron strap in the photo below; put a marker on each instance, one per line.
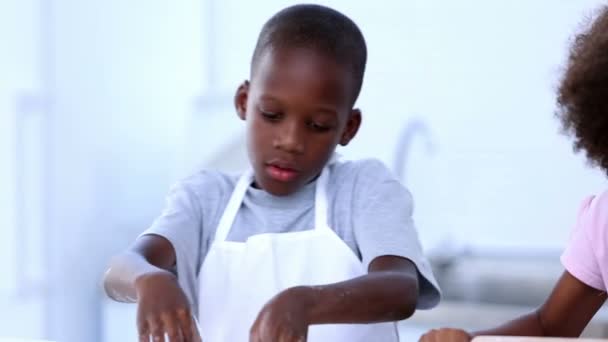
(234, 204)
(321, 205)
(321, 201)
(236, 199)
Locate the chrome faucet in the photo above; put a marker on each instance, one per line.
(412, 128)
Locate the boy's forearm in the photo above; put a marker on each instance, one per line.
(376, 297)
(125, 269)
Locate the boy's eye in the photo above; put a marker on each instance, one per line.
(319, 127)
(270, 115)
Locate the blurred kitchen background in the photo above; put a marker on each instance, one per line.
(104, 104)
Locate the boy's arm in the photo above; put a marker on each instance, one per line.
(149, 255)
(389, 292)
(142, 274)
(566, 312)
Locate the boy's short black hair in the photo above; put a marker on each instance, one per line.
(319, 28)
(583, 92)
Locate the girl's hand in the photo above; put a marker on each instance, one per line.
(446, 335)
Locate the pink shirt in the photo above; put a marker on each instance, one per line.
(586, 255)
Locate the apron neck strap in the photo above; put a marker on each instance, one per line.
(321, 203)
(236, 199)
(234, 204)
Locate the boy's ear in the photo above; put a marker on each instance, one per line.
(352, 127)
(240, 99)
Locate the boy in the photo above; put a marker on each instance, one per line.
(240, 252)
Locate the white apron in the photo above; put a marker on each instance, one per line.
(238, 278)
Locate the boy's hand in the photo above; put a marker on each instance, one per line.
(162, 308)
(283, 318)
(446, 335)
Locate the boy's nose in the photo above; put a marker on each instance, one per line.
(290, 138)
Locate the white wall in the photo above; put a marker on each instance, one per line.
(126, 77)
(115, 82)
(20, 91)
(482, 76)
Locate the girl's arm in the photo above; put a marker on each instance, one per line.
(565, 313)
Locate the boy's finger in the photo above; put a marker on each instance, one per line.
(293, 337)
(254, 336)
(196, 334)
(184, 320)
(196, 330)
(157, 332)
(425, 338)
(171, 327)
(143, 331)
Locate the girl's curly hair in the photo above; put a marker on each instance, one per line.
(583, 92)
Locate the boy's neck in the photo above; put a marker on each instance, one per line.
(302, 195)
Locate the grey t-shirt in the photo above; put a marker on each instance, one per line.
(368, 209)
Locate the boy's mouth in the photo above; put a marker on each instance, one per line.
(280, 171)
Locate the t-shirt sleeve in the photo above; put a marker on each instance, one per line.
(180, 223)
(579, 257)
(383, 225)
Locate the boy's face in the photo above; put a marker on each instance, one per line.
(298, 107)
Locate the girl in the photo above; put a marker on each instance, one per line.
(581, 291)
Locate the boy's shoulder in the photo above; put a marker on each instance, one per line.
(359, 165)
(362, 167)
(208, 183)
(361, 171)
